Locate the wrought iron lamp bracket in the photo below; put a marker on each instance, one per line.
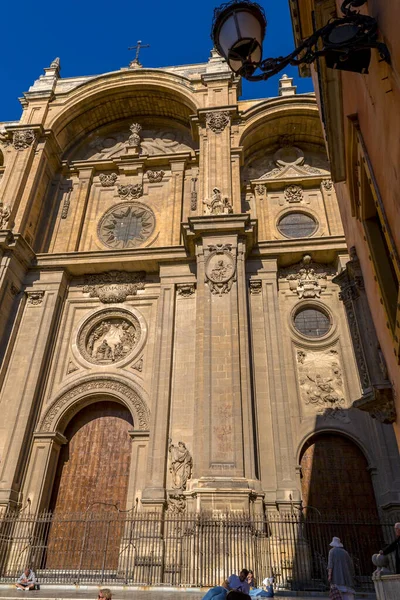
(322, 42)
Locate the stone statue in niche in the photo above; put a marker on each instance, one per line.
(5, 214)
(217, 205)
(181, 465)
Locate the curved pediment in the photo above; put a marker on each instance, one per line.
(156, 139)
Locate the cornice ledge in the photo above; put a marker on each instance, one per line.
(219, 225)
(378, 401)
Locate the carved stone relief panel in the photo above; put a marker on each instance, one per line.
(109, 336)
(113, 286)
(307, 278)
(22, 139)
(126, 225)
(293, 193)
(155, 176)
(217, 120)
(130, 191)
(220, 269)
(322, 389)
(108, 179)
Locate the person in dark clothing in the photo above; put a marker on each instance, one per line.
(394, 547)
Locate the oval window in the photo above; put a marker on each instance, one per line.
(297, 225)
(312, 322)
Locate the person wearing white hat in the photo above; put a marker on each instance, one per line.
(341, 569)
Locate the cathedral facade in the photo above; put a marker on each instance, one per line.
(171, 336)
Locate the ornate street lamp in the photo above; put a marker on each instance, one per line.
(239, 27)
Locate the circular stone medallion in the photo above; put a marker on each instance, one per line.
(109, 336)
(220, 267)
(126, 225)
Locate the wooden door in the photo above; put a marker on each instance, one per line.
(92, 475)
(337, 489)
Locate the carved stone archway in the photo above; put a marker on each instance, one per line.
(84, 392)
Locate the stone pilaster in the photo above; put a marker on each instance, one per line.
(41, 470)
(223, 455)
(154, 494)
(273, 408)
(23, 383)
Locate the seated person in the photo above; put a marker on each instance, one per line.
(251, 580)
(26, 581)
(234, 583)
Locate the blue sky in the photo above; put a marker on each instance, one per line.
(92, 37)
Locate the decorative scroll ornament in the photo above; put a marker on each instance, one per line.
(109, 336)
(217, 120)
(35, 298)
(66, 205)
(135, 139)
(193, 194)
(220, 269)
(138, 366)
(260, 189)
(217, 205)
(24, 138)
(130, 191)
(5, 214)
(126, 225)
(255, 287)
(307, 278)
(114, 286)
(327, 184)
(155, 176)
(186, 290)
(294, 193)
(176, 503)
(108, 179)
(4, 138)
(321, 383)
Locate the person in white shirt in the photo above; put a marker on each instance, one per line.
(234, 583)
(238, 583)
(26, 581)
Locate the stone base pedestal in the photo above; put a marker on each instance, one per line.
(387, 587)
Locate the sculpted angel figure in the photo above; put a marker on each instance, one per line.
(181, 465)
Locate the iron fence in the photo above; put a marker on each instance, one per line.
(141, 548)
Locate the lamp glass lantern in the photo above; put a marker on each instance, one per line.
(238, 33)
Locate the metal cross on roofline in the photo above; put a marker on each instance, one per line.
(138, 47)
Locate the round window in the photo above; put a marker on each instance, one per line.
(297, 225)
(312, 322)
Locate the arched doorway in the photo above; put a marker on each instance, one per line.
(339, 500)
(92, 475)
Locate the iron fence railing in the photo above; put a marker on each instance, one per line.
(142, 548)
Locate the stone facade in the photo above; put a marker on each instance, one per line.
(165, 246)
(361, 118)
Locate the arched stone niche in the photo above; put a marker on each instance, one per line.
(84, 392)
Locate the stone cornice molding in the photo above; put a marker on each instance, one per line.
(131, 259)
(79, 394)
(221, 225)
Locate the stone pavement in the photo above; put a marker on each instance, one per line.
(90, 593)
